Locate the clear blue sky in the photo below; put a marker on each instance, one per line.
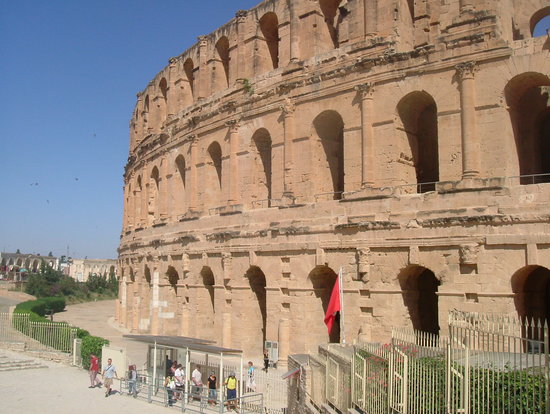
(69, 75)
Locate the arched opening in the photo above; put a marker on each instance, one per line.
(269, 25)
(329, 8)
(258, 319)
(328, 162)
(173, 278)
(163, 101)
(531, 286)
(262, 164)
(527, 96)
(419, 288)
(147, 274)
(540, 22)
(163, 87)
(222, 68)
(145, 114)
(179, 189)
(213, 176)
(418, 115)
(138, 194)
(188, 68)
(410, 4)
(132, 275)
(322, 279)
(154, 194)
(206, 303)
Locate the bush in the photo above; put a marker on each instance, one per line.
(91, 345)
(42, 306)
(82, 333)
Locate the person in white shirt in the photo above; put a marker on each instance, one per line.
(196, 379)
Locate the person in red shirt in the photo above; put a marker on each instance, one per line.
(94, 369)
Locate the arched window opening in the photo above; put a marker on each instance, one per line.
(180, 165)
(269, 25)
(329, 160)
(208, 281)
(531, 286)
(262, 146)
(527, 96)
(323, 279)
(132, 275)
(540, 22)
(189, 67)
(222, 73)
(419, 288)
(329, 8)
(258, 318)
(154, 194)
(215, 152)
(147, 274)
(418, 114)
(163, 86)
(179, 188)
(146, 113)
(173, 278)
(410, 4)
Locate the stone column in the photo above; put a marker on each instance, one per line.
(367, 134)
(171, 98)
(241, 56)
(370, 17)
(155, 301)
(289, 134)
(284, 342)
(194, 205)
(470, 140)
(233, 162)
(294, 32)
(226, 330)
(203, 69)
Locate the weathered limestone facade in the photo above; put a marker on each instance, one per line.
(385, 137)
(81, 269)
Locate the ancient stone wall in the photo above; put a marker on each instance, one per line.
(386, 138)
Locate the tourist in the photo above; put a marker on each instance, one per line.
(251, 378)
(109, 372)
(170, 385)
(212, 393)
(132, 380)
(179, 376)
(94, 369)
(231, 385)
(196, 379)
(266, 360)
(173, 368)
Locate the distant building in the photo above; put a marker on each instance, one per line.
(15, 264)
(81, 269)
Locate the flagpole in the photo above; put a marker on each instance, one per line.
(341, 287)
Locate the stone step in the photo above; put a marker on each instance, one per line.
(22, 367)
(20, 364)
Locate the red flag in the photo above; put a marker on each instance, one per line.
(333, 305)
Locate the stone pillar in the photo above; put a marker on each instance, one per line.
(294, 32)
(155, 299)
(367, 134)
(163, 189)
(203, 69)
(370, 17)
(126, 208)
(226, 330)
(194, 205)
(233, 162)
(289, 134)
(172, 98)
(184, 322)
(241, 56)
(470, 140)
(284, 342)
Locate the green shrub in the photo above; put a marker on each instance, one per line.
(82, 333)
(42, 306)
(91, 345)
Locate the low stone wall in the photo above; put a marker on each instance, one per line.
(54, 356)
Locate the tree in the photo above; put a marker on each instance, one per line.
(50, 254)
(18, 251)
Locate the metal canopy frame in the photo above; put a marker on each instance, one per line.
(197, 345)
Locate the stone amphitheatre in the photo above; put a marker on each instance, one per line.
(406, 142)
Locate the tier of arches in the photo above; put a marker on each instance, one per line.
(280, 37)
(207, 295)
(177, 184)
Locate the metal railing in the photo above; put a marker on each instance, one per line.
(489, 364)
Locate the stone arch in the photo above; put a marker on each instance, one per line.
(537, 18)
(188, 68)
(162, 105)
(179, 188)
(262, 151)
(330, 11)
(147, 274)
(269, 50)
(527, 97)
(132, 274)
(322, 279)
(419, 287)
(35, 265)
(138, 194)
(213, 175)
(328, 153)
(221, 66)
(417, 113)
(206, 301)
(531, 287)
(257, 318)
(153, 202)
(145, 114)
(173, 278)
